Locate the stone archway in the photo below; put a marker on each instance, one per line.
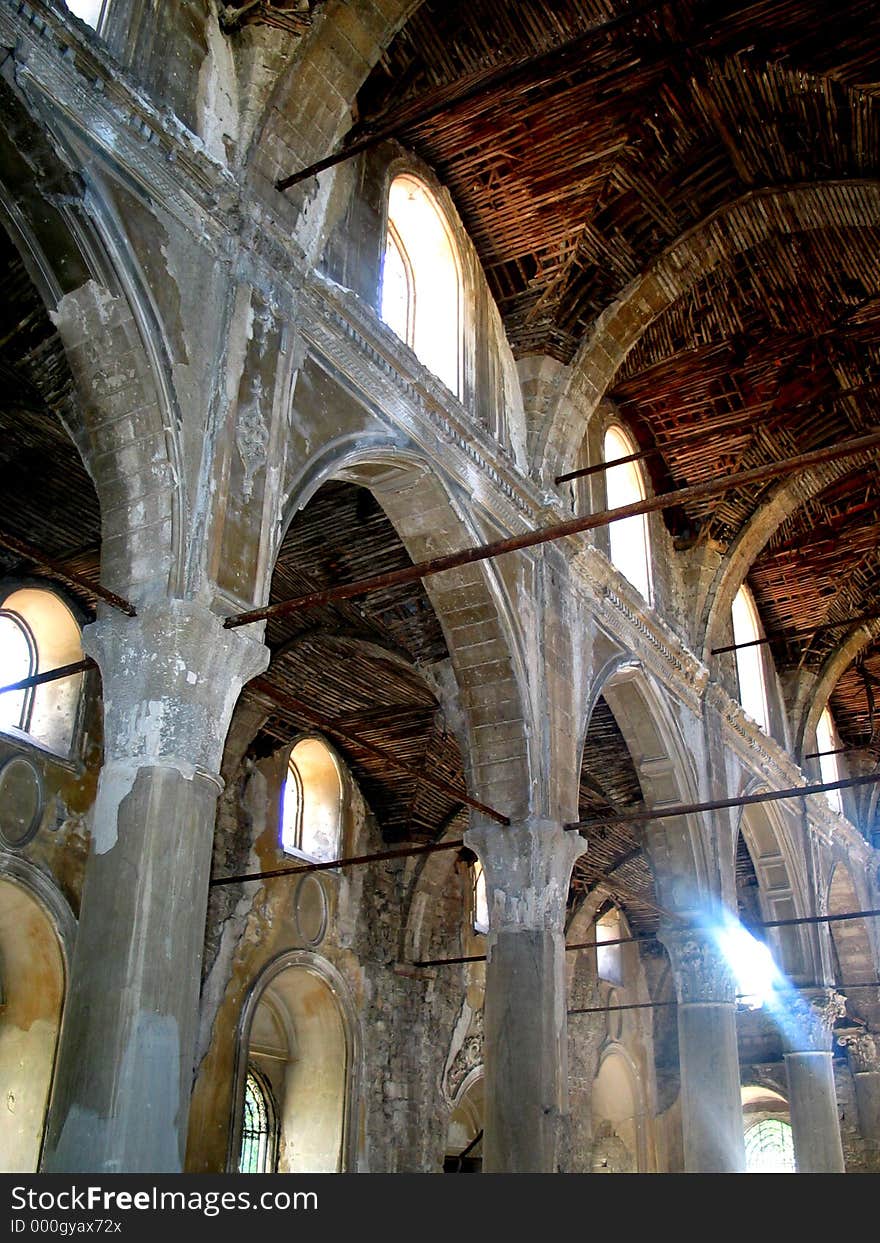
(299, 1026)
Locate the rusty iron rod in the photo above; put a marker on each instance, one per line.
(264, 687)
(51, 675)
(804, 633)
(650, 936)
(815, 755)
(659, 1005)
(682, 442)
(559, 61)
(560, 530)
(354, 861)
(719, 804)
(69, 577)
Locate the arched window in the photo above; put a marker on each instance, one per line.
(609, 960)
(421, 283)
(770, 1148)
(89, 11)
(259, 1130)
(38, 632)
(828, 740)
(479, 898)
(311, 805)
(630, 547)
(749, 663)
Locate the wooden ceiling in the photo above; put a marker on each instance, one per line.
(618, 128)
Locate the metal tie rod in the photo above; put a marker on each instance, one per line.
(60, 571)
(560, 530)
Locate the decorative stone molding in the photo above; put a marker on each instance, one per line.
(811, 1017)
(528, 870)
(467, 1059)
(700, 969)
(863, 1048)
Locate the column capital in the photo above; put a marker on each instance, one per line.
(528, 870)
(863, 1049)
(811, 1017)
(701, 971)
(171, 677)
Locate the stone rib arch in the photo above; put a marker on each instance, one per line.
(334, 991)
(813, 694)
(330, 65)
(120, 417)
(781, 881)
(472, 606)
(674, 847)
(731, 230)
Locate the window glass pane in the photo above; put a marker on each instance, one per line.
(425, 253)
(16, 662)
(629, 537)
(609, 961)
(481, 899)
(770, 1148)
(749, 661)
(311, 810)
(258, 1130)
(88, 11)
(827, 739)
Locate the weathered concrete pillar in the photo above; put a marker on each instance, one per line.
(171, 677)
(528, 868)
(711, 1102)
(812, 1098)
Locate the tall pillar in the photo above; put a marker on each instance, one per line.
(527, 868)
(863, 1049)
(171, 677)
(812, 1097)
(711, 1100)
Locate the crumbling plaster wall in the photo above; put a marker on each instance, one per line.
(406, 1015)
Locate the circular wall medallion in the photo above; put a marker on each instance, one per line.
(613, 1018)
(310, 910)
(22, 801)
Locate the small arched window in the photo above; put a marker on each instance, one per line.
(630, 547)
(770, 1147)
(421, 282)
(259, 1130)
(311, 804)
(609, 960)
(479, 898)
(38, 632)
(749, 661)
(827, 742)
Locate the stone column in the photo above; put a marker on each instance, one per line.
(863, 1048)
(528, 868)
(711, 1101)
(812, 1098)
(171, 677)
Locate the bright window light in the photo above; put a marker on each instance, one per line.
(770, 1147)
(749, 662)
(88, 11)
(609, 962)
(421, 286)
(827, 739)
(481, 899)
(630, 550)
(17, 661)
(756, 974)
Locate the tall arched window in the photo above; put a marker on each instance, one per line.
(421, 282)
(749, 662)
(311, 805)
(479, 898)
(38, 632)
(609, 960)
(770, 1148)
(630, 547)
(827, 740)
(259, 1129)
